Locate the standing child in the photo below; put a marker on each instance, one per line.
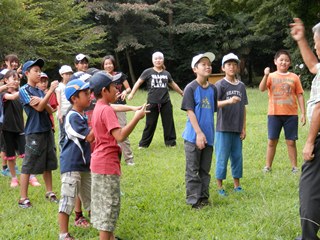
(75, 155)
(81, 62)
(108, 64)
(13, 124)
(105, 159)
(40, 154)
(63, 104)
(200, 103)
(284, 90)
(231, 123)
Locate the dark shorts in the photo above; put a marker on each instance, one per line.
(288, 123)
(40, 153)
(2, 143)
(15, 144)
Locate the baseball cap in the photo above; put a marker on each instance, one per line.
(65, 69)
(43, 75)
(197, 58)
(39, 62)
(102, 79)
(80, 75)
(73, 86)
(80, 57)
(230, 56)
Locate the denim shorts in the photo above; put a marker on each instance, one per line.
(288, 122)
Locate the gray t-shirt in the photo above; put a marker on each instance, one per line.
(230, 118)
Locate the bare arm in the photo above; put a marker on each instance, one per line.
(58, 93)
(298, 34)
(302, 108)
(11, 96)
(243, 133)
(90, 137)
(124, 108)
(263, 83)
(313, 133)
(201, 139)
(120, 134)
(229, 101)
(176, 88)
(135, 88)
(126, 91)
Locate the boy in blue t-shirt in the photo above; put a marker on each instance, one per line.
(40, 153)
(75, 155)
(200, 103)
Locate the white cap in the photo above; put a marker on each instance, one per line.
(230, 56)
(65, 69)
(197, 58)
(80, 57)
(43, 75)
(4, 71)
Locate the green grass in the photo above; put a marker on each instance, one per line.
(153, 201)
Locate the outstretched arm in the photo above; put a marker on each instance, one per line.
(135, 88)
(298, 34)
(176, 88)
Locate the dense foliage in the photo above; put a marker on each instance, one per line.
(133, 30)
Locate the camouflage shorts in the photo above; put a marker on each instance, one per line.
(105, 205)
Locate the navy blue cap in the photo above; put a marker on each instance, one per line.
(80, 75)
(102, 79)
(39, 62)
(74, 86)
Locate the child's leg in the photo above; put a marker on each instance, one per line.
(236, 159)
(63, 222)
(106, 235)
(222, 150)
(24, 183)
(47, 177)
(271, 151)
(12, 164)
(292, 152)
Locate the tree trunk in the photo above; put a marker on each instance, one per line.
(133, 77)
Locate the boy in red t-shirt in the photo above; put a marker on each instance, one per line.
(105, 159)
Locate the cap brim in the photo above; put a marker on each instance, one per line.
(209, 55)
(39, 62)
(85, 86)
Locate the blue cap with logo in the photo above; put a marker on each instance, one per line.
(102, 79)
(75, 86)
(39, 62)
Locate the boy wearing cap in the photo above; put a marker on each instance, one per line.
(105, 159)
(63, 104)
(231, 123)
(81, 62)
(200, 103)
(75, 155)
(40, 154)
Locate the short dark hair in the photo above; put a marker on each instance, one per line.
(280, 52)
(99, 95)
(112, 59)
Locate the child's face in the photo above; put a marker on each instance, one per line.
(203, 67)
(12, 65)
(230, 68)
(14, 79)
(83, 65)
(108, 66)
(66, 76)
(110, 95)
(83, 101)
(43, 84)
(34, 75)
(283, 63)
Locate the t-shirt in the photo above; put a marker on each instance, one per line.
(314, 94)
(37, 122)
(75, 154)
(231, 117)
(65, 104)
(283, 90)
(13, 115)
(203, 102)
(157, 84)
(105, 157)
(120, 87)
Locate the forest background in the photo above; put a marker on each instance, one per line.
(132, 30)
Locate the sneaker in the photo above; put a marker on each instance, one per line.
(204, 201)
(14, 182)
(34, 182)
(295, 170)
(198, 205)
(130, 162)
(51, 196)
(6, 172)
(238, 189)
(82, 222)
(222, 193)
(24, 203)
(17, 170)
(142, 147)
(66, 237)
(266, 169)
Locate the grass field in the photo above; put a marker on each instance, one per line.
(153, 200)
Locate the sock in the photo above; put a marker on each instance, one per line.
(4, 167)
(62, 235)
(78, 215)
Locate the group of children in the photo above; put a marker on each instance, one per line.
(91, 175)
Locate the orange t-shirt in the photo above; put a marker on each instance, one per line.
(283, 90)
